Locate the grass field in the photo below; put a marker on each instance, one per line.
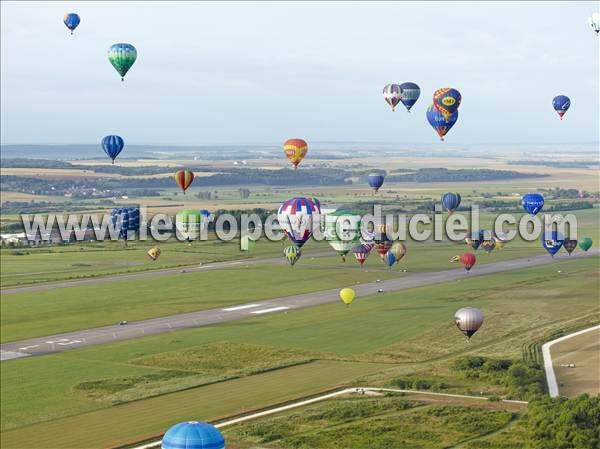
(584, 352)
(383, 338)
(392, 421)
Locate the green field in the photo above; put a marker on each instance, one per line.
(384, 337)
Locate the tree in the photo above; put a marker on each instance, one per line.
(561, 423)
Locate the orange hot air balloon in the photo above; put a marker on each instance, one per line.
(184, 179)
(295, 150)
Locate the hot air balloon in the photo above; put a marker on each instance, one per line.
(389, 259)
(361, 252)
(191, 221)
(184, 179)
(246, 243)
(570, 245)
(193, 435)
(382, 241)
(398, 249)
(153, 253)
(488, 245)
(451, 201)
(347, 295)
(594, 21)
(438, 122)
(468, 260)
(342, 231)
(295, 150)
(367, 238)
(71, 21)
(375, 181)
(297, 217)
(552, 241)
(561, 105)
(585, 243)
(126, 220)
(475, 241)
(447, 100)
(468, 320)
(410, 94)
(292, 254)
(532, 203)
(122, 57)
(392, 94)
(112, 146)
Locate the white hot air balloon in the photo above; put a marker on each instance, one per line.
(468, 320)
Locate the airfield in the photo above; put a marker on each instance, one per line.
(214, 333)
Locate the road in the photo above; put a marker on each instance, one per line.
(91, 337)
(586, 381)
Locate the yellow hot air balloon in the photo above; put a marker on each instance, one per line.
(153, 253)
(347, 295)
(295, 150)
(398, 249)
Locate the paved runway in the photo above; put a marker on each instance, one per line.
(91, 337)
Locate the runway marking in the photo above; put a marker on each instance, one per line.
(273, 309)
(10, 355)
(245, 306)
(25, 348)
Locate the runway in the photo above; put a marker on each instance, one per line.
(108, 334)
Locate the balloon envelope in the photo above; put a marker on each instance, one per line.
(389, 259)
(585, 243)
(361, 252)
(532, 203)
(71, 21)
(561, 105)
(570, 245)
(375, 180)
(347, 295)
(468, 260)
(410, 94)
(342, 231)
(184, 179)
(193, 435)
(398, 249)
(552, 241)
(292, 254)
(440, 123)
(112, 146)
(122, 56)
(297, 217)
(451, 201)
(153, 253)
(125, 220)
(468, 320)
(392, 94)
(295, 150)
(447, 100)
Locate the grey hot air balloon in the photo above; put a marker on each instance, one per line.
(468, 320)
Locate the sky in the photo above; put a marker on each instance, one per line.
(245, 72)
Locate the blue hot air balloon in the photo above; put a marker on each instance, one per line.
(532, 203)
(125, 219)
(440, 123)
(71, 21)
(561, 104)
(389, 259)
(410, 94)
(375, 180)
(112, 146)
(193, 435)
(552, 241)
(451, 201)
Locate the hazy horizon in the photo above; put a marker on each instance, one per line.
(234, 73)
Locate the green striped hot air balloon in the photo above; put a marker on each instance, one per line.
(122, 57)
(342, 231)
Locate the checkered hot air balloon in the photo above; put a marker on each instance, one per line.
(298, 217)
